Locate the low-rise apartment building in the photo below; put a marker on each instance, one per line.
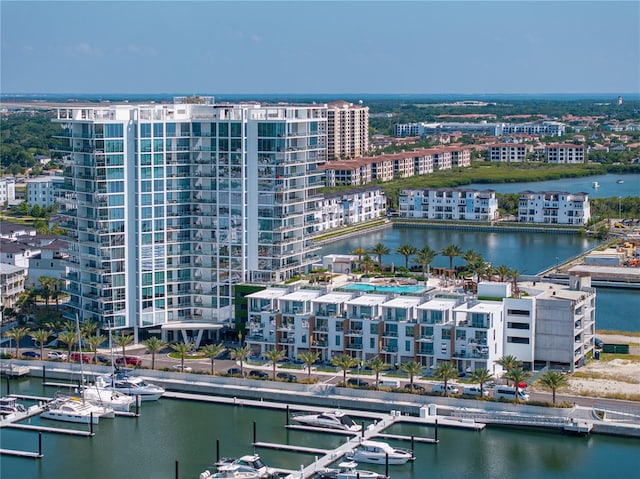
(12, 280)
(44, 190)
(448, 204)
(509, 152)
(554, 207)
(351, 207)
(565, 153)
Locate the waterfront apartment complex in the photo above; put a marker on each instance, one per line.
(509, 152)
(448, 204)
(565, 153)
(7, 190)
(552, 325)
(351, 207)
(347, 130)
(168, 206)
(554, 207)
(546, 128)
(43, 190)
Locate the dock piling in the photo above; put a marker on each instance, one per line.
(254, 437)
(40, 444)
(177, 470)
(287, 412)
(412, 440)
(217, 450)
(44, 374)
(91, 423)
(386, 464)
(436, 430)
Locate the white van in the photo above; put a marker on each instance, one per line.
(439, 388)
(509, 392)
(474, 390)
(389, 383)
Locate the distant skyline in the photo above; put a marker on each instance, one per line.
(324, 47)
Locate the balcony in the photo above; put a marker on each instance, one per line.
(353, 332)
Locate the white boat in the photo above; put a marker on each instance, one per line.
(229, 472)
(72, 409)
(131, 385)
(619, 181)
(248, 463)
(107, 397)
(9, 405)
(595, 184)
(349, 470)
(376, 452)
(330, 419)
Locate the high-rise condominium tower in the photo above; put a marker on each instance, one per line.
(347, 130)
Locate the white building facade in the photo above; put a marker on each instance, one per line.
(554, 207)
(7, 190)
(43, 190)
(448, 204)
(565, 153)
(509, 152)
(349, 208)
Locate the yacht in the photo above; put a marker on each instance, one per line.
(349, 470)
(133, 386)
(248, 463)
(229, 472)
(99, 396)
(377, 452)
(329, 419)
(619, 181)
(73, 409)
(595, 184)
(10, 405)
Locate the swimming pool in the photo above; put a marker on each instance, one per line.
(378, 288)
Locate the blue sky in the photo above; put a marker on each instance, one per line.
(265, 47)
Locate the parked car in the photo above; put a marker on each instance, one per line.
(57, 355)
(103, 359)
(439, 388)
(224, 354)
(357, 382)
(30, 354)
(129, 361)
(234, 372)
(181, 368)
(257, 374)
(414, 387)
(598, 342)
(288, 377)
(76, 357)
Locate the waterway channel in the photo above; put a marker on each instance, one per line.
(172, 430)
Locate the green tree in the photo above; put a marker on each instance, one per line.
(553, 380)
(274, 355)
(308, 358)
(68, 337)
(481, 376)
(344, 362)
(182, 349)
(17, 334)
(88, 328)
(509, 362)
(380, 250)
(378, 365)
(424, 257)
(367, 263)
(445, 372)
(94, 341)
(517, 375)
(40, 336)
(451, 252)
(241, 354)
(502, 271)
(211, 351)
(407, 250)
(123, 340)
(47, 288)
(360, 252)
(411, 368)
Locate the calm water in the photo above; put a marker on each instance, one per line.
(528, 252)
(609, 186)
(171, 430)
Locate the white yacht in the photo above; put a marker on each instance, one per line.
(107, 397)
(10, 405)
(349, 470)
(248, 463)
(73, 409)
(330, 419)
(376, 452)
(131, 385)
(595, 184)
(229, 472)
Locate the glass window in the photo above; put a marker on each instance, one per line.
(171, 129)
(145, 159)
(236, 130)
(113, 130)
(157, 130)
(145, 130)
(223, 129)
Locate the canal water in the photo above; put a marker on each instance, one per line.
(172, 430)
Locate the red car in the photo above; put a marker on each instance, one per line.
(129, 361)
(76, 357)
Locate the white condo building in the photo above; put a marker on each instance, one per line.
(43, 190)
(170, 205)
(554, 207)
(351, 207)
(509, 152)
(347, 130)
(565, 153)
(7, 190)
(448, 204)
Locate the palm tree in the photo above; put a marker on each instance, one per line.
(502, 271)
(153, 345)
(17, 334)
(514, 277)
(411, 368)
(123, 340)
(553, 380)
(445, 372)
(211, 351)
(517, 375)
(379, 250)
(378, 365)
(47, 287)
(451, 252)
(344, 362)
(424, 257)
(407, 250)
(182, 349)
(274, 355)
(471, 256)
(68, 337)
(360, 251)
(241, 354)
(509, 362)
(309, 357)
(367, 264)
(88, 328)
(40, 336)
(94, 341)
(481, 376)
(479, 268)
